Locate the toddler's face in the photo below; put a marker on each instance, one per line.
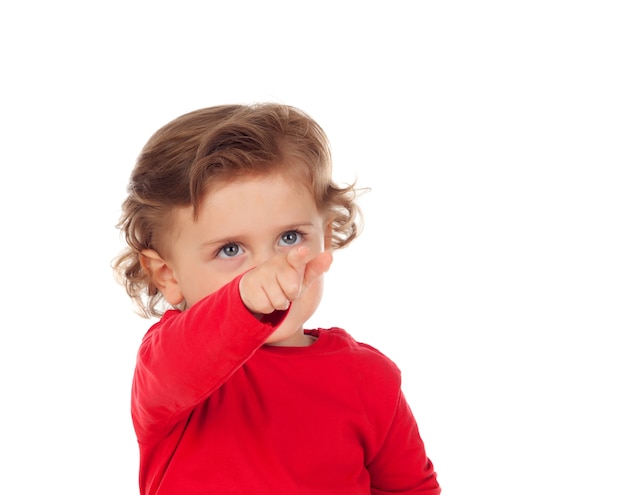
(240, 225)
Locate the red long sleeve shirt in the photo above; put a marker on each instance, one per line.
(218, 412)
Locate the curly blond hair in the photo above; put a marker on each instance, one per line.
(182, 160)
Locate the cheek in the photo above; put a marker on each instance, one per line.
(206, 281)
(316, 290)
(308, 303)
(318, 244)
(195, 285)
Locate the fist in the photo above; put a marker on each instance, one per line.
(282, 279)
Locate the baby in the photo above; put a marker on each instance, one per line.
(230, 223)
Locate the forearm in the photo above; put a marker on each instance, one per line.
(188, 355)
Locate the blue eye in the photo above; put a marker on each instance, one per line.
(290, 238)
(229, 251)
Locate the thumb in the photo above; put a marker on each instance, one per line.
(317, 267)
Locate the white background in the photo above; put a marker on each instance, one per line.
(491, 268)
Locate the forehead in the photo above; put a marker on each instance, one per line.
(249, 201)
(276, 194)
(294, 172)
(229, 195)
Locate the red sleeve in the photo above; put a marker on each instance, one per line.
(188, 355)
(401, 466)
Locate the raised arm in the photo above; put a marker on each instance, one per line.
(188, 355)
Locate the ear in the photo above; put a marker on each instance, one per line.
(161, 275)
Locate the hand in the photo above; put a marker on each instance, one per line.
(281, 280)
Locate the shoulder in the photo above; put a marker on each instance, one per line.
(157, 326)
(367, 375)
(369, 364)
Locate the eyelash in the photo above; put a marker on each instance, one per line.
(297, 232)
(220, 251)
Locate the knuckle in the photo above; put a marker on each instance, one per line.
(293, 290)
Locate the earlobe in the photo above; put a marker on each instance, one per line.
(161, 275)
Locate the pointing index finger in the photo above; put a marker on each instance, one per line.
(299, 257)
